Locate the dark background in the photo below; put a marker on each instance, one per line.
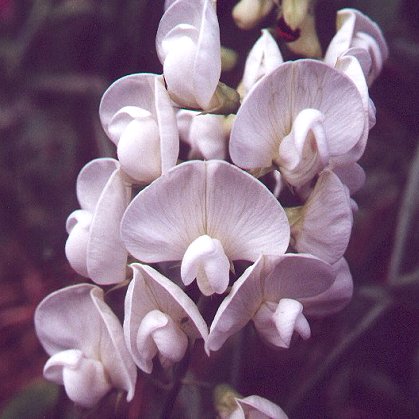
(56, 60)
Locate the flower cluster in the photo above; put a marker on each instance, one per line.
(292, 132)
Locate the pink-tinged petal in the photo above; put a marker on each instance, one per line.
(352, 176)
(148, 292)
(78, 227)
(243, 214)
(139, 150)
(268, 112)
(106, 255)
(238, 308)
(159, 334)
(289, 318)
(206, 261)
(91, 181)
(277, 322)
(77, 318)
(197, 198)
(269, 280)
(352, 68)
(336, 297)
(257, 408)
(207, 137)
(140, 97)
(296, 276)
(263, 58)
(304, 152)
(84, 379)
(324, 228)
(188, 37)
(165, 217)
(354, 29)
(248, 13)
(113, 351)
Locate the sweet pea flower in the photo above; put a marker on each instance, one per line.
(248, 13)
(298, 119)
(86, 343)
(356, 30)
(270, 292)
(322, 227)
(188, 46)
(137, 114)
(206, 214)
(206, 134)
(94, 248)
(230, 405)
(160, 319)
(263, 58)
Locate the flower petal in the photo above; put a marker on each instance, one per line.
(325, 227)
(333, 299)
(150, 291)
(248, 13)
(91, 181)
(106, 255)
(197, 198)
(267, 114)
(258, 407)
(200, 48)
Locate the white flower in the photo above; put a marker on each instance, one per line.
(160, 319)
(270, 293)
(86, 344)
(357, 31)
(206, 214)
(94, 248)
(299, 118)
(137, 115)
(188, 46)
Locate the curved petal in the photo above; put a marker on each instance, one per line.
(267, 114)
(150, 291)
(352, 176)
(206, 261)
(197, 198)
(352, 25)
(106, 255)
(324, 229)
(335, 298)
(304, 152)
(133, 97)
(78, 227)
(238, 308)
(91, 181)
(77, 318)
(194, 51)
(255, 405)
(85, 380)
(263, 58)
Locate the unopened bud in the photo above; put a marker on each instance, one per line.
(225, 400)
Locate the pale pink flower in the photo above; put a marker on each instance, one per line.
(206, 214)
(160, 319)
(270, 293)
(355, 32)
(298, 119)
(94, 248)
(256, 407)
(137, 114)
(86, 343)
(188, 46)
